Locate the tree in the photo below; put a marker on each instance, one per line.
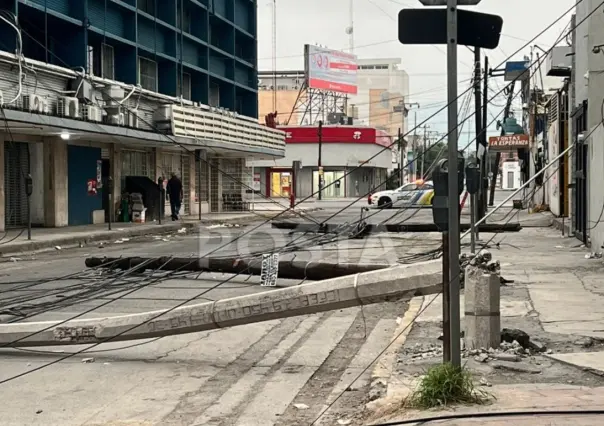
(430, 157)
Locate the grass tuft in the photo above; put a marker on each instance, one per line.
(444, 385)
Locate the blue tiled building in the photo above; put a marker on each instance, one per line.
(202, 50)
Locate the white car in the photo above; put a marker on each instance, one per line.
(418, 193)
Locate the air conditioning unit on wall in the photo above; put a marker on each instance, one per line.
(116, 119)
(133, 119)
(35, 103)
(92, 113)
(68, 107)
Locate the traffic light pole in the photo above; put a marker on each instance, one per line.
(479, 129)
(446, 298)
(454, 268)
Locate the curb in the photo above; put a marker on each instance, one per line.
(80, 238)
(385, 364)
(101, 236)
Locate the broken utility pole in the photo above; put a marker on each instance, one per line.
(392, 284)
(288, 269)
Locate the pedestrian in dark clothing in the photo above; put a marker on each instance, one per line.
(175, 192)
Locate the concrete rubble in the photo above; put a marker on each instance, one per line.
(510, 355)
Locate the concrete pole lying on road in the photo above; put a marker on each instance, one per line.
(396, 283)
(297, 270)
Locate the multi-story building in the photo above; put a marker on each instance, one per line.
(383, 88)
(101, 89)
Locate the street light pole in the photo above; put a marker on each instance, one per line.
(454, 269)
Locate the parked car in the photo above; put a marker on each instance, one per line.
(418, 193)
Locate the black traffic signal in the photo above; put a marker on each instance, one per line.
(440, 201)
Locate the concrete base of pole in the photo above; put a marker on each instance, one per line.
(397, 283)
(482, 310)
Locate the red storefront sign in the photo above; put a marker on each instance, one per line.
(336, 134)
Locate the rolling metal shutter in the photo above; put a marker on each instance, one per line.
(16, 168)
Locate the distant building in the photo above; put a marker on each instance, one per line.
(343, 150)
(382, 88)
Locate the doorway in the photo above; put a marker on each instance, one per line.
(280, 183)
(579, 216)
(334, 185)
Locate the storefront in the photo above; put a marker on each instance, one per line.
(354, 160)
(279, 182)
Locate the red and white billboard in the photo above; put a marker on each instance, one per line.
(330, 70)
(336, 134)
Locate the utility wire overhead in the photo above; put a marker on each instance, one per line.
(171, 309)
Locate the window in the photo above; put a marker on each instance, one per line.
(147, 74)
(147, 6)
(184, 89)
(408, 187)
(183, 17)
(107, 63)
(214, 98)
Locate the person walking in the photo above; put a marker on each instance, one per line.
(175, 193)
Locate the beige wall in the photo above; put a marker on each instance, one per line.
(286, 100)
(381, 111)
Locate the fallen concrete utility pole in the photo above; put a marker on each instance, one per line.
(396, 283)
(297, 270)
(492, 228)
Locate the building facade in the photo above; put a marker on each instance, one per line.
(129, 90)
(382, 86)
(353, 161)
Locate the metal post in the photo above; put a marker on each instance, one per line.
(110, 197)
(445, 296)
(160, 186)
(454, 270)
(198, 185)
(320, 164)
(254, 190)
(473, 228)
(400, 157)
(415, 149)
(29, 190)
(478, 117)
(292, 185)
(482, 208)
(424, 150)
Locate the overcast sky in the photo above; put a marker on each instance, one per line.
(375, 25)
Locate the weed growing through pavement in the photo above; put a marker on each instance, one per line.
(444, 385)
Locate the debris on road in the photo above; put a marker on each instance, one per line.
(516, 367)
(511, 335)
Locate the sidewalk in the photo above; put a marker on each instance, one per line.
(525, 398)
(15, 241)
(557, 298)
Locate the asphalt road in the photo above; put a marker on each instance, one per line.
(280, 372)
